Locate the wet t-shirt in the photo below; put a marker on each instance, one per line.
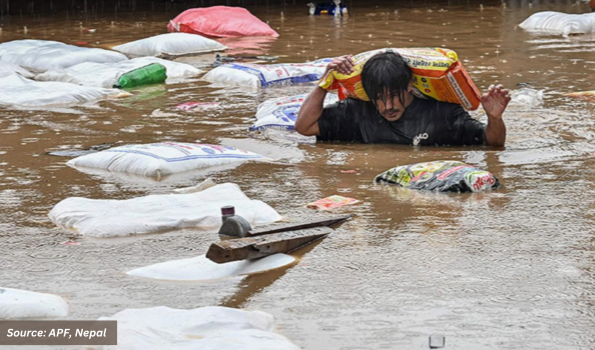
(425, 122)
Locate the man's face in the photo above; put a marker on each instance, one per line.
(390, 107)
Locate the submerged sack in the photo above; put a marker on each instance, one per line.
(108, 74)
(282, 112)
(220, 22)
(440, 176)
(43, 55)
(19, 304)
(171, 44)
(560, 23)
(161, 159)
(437, 73)
(256, 75)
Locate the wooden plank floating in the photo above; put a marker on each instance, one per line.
(264, 245)
(290, 226)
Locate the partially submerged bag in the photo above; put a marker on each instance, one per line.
(171, 44)
(220, 22)
(560, 23)
(158, 213)
(440, 176)
(160, 159)
(282, 112)
(19, 304)
(205, 328)
(43, 55)
(437, 73)
(257, 75)
(17, 91)
(122, 74)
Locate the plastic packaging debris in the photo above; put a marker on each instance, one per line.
(206, 328)
(588, 96)
(437, 73)
(186, 106)
(202, 269)
(349, 171)
(440, 176)
(69, 243)
(17, 304)
(158, 213)
(255, 75)
(161, 159)
(282, 112)
(171, 44)
(7, 69)
(333, 8)
(42, 55)
(527, 97)
(560, 23)
(437, 341)
(220, 22)
(17, 91)
(207, 183)
(108, 75)
(331, 202)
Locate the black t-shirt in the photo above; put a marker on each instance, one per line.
(425, 122)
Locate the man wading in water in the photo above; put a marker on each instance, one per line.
(396, 114)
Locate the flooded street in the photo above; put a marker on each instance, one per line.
(507, 269)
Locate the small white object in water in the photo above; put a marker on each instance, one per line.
(527, 97)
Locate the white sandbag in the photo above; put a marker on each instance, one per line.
(7, 69)
(202, 269)
(106, 75)
(43, 55)
(560, 23)
(282, 112)
(257, 75)
(206, 328)
(17, 91)
(171, 44)
(16, 303)
(158, 213)
(161, 159)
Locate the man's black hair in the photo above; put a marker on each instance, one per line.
(386, 72)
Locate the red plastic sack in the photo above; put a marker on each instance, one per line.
(221, 22)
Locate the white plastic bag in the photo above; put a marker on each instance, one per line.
(16, 303)
(206, 328)
(282, 112)
(42, 55)
(171, 44)
(16, 91)
(7, 69)
(202, 269)
(560, 23)
(527, 97)
(160, 159)
(158, 213)
(107, 74)
(257, 75)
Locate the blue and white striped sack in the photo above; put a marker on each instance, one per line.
(258, 75)
(281, 113)
(161, 159)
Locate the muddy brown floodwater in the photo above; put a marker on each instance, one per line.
(508, 269)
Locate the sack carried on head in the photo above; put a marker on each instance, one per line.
(437, 73)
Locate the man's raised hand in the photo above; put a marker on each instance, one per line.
(494, 102)
(341, 64)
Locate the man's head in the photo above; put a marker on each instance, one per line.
(386, 78)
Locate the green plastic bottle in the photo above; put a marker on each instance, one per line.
(154, 73)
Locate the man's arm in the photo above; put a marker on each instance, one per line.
(311, 110)
(494, 102)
